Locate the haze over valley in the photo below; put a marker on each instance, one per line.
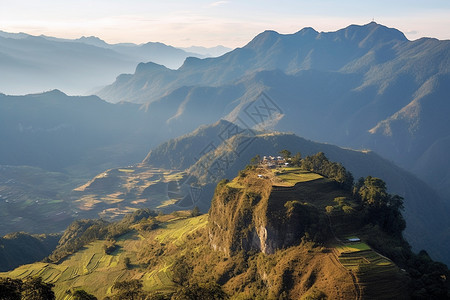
(309, 164)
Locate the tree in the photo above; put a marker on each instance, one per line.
(319, 163)
(373, 192)
(128, 290)
(82, 295)
(255, 160)
(286, 154)
(296, 160)
(181, 271)
(381, 207)
(36, 289)
(127, 262)
(195, 212)
(209, 291)
(10, 288)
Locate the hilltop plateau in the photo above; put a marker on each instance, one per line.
(288, 233)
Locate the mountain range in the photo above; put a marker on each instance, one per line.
(59, 132)
(364, 87)
(171, 140)
(287, 234)
(219, 151)
(31, 64)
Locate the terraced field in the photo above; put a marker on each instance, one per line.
(96, 272)
(282, 177)
(293, 176)
(376, 276)
(116, 192)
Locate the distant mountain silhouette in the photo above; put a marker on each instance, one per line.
(84, 135)
(31, 64)
(304, 50)
(211, 51)
(361, 87)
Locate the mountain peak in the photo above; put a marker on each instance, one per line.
(369, 34)
(51, 93)
(307, 31)
(263, 39)
(191, 61)
(92, 40)
(149, 66)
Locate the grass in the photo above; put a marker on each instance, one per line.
(353, 247)
(375, 274)
(95, 271)
(295, 176)
(175, 231)
(166, 203)
(235, 184)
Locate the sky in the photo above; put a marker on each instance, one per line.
(210, 23)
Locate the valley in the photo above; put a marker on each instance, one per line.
(116, 192)
(149, 171)
(35, 200)
(335, 268)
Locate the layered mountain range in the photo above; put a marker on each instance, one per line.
(364, 87)
(32, 64)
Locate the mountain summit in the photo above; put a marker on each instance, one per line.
(364, 87)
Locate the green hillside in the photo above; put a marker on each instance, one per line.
(95, 271)
(270, 234)
(21, 248)
(364, 87)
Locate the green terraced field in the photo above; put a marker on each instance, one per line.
(95, 271)
(353, 247)
(175, 231)
(375, 275)
(295, 176)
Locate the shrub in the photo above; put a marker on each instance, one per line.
(347, 209)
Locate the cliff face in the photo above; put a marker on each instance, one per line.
(251, 214)
(292, 222)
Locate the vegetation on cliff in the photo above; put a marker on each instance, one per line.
(281, 233)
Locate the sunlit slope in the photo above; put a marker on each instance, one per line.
(94, 271)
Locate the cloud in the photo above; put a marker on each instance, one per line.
(218, 3)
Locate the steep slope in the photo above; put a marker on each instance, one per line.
(223, 155)
(181, 153)
(418, 129)
(21, 248)
(375, 90)
(306, 49)
(253, 214)
(270, 234)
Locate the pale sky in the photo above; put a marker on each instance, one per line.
(209, 23)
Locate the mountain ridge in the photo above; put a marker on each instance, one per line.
(374, 77)
(89, 62)
(212, 158)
